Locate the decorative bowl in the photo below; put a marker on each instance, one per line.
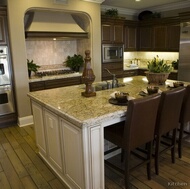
(178, 84)
(152, 89)
(121, 97)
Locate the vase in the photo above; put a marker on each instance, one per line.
(157, 78)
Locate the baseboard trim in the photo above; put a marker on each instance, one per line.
(24, 121)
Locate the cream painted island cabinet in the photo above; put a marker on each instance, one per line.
(69, 129)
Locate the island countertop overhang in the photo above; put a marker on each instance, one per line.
(68, 103)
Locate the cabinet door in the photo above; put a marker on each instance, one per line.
(145, 38)
(130, 73)
(39, 128)
(160, 38)
(118, 33)
(114, 67)
(53, 139)
(73, 154)
(173, 38)
(130, 38)
(107, 33)
(3, 40)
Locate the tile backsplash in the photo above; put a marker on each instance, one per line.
(52, 54)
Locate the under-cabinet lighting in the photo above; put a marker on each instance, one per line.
(54, 39)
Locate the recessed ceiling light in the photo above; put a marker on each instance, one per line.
(137, 0)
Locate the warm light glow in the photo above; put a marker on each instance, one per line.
(137, 0)
(144, 79)
(54, 39)
(127, 79)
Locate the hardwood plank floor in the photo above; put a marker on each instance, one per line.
(22, 168)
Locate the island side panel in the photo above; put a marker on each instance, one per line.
(93, 142)
(39, 128)
(73, 154)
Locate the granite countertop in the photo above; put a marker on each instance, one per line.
(51, 77)
(68, 103)
(142, 68)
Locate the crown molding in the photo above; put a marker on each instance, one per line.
(124, 11)
(163, 8)
(171, 6)
(94, 1)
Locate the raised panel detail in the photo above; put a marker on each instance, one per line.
(39, 128)
(72, 151)
(53, 139)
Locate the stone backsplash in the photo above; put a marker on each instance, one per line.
(52, 54)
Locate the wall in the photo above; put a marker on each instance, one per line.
(16, 12)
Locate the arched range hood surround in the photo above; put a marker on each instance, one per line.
(49, 24)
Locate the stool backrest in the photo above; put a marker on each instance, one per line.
(185, 110)
(169, 110)
(140, 121)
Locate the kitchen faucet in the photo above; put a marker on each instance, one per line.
(114, 80)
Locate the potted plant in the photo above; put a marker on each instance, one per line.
(158, 71)
(32, 67)
(75, 62)
(112, 13)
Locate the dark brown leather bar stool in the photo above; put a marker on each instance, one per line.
(184, 119)
(137, 130)
(168, 120)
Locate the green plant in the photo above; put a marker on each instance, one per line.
(32, 66)
(74, 62)
(175, 64)
(157, 65)
(112, 12)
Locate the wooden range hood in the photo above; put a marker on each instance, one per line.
(49, 24)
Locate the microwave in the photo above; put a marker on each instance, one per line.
(112, 53)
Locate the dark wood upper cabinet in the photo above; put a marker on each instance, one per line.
(112, 30)
(173, 37)
(145, 38)
(159, 35)
(3, 35)
(130, 38)
(159, 38)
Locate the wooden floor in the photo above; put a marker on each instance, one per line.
(21, 167)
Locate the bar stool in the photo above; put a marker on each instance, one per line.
(137, 130)
(184, 119)
(168, 120)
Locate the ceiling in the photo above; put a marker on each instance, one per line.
(144, 4)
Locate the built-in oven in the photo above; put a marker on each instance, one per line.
(6, 94)
(4, 67)
(6, 100)
(112, 53)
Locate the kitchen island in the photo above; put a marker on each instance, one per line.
(69, 129)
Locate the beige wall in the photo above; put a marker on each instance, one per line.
(16, 11)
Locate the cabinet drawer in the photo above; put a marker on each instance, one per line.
(36, 86)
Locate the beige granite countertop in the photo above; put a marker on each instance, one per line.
(68, 103)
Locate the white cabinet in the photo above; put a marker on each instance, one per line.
(53, 139)
(73, 154)
(39, 128)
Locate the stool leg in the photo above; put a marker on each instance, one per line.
(180, 140)
(157, 153)
(127, 162)
(149, 157)
(173, 145)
